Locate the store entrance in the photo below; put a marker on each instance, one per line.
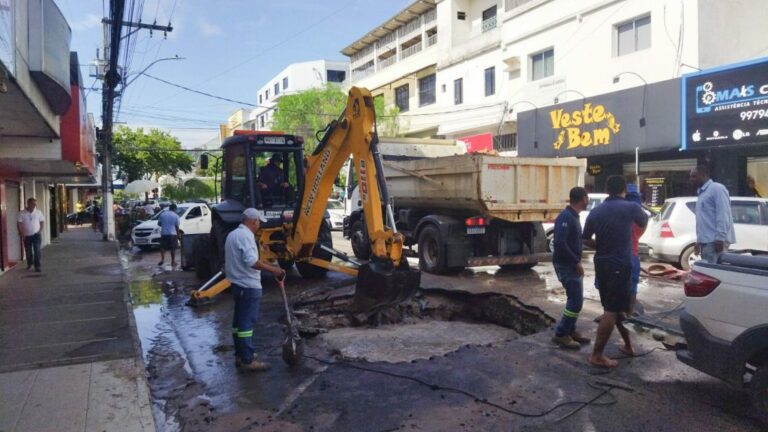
(660, 180)
(757, 176)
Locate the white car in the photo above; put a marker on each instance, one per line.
(725, 323)
(673, 234)
(336, 210)
(195, 219)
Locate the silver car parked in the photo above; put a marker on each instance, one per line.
(673, 233)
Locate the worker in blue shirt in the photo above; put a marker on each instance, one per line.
(714, 221)
(610, 224)
(169, 233)
(566, 258)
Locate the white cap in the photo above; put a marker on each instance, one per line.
(252, 214)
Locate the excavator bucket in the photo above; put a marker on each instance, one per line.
(380, 284)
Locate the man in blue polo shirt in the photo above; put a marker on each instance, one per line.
(566, 258)
(610, 224)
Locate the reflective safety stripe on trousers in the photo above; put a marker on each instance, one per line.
(246, 333)
(570, 314)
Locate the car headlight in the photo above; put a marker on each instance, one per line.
(156, 230)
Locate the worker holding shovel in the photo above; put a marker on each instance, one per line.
(243, 269)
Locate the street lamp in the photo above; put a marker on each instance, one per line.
(617, 78)
(147, 68)
(557, 98)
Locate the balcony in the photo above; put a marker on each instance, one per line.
(359, 74)
(513, 4)
(489, 24)
(386, 62)
(413, 49)
(430, 16)
(411, 27)
(431, 40)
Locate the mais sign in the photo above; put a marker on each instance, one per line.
(592, 125)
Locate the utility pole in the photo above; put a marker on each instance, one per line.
(112, 39)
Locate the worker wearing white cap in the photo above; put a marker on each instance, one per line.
(243, 269)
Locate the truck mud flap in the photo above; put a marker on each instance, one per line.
(507, 260)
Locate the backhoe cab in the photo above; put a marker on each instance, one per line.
(268, 171)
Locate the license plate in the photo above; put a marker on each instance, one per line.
(141, 240)
(274, 140)
(475, 230)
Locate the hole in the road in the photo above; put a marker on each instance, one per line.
(434, 322)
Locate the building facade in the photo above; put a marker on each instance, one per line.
(493, 58)
(46, 138)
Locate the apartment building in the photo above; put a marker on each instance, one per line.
(464, 68)
(46, 135)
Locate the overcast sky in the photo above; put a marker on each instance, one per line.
(231, 47)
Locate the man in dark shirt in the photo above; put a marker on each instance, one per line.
(611, 225)
(271, 178)
(566, 258)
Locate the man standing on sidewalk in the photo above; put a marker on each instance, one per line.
(714, 221)
(243, 269)
(611, 225)
(169, 233)
(31, 222)
(566, 259)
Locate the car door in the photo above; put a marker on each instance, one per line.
(205, 223)
(749, 224)
(193, 219)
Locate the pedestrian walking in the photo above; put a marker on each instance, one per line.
(30, 223)
(566, 259)
(714, 221)
(96, 221)
(169, 233)
(633, 195)
(610, 224)
(243, 269)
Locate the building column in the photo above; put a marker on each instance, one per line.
(4, 233)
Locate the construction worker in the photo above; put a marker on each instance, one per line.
(566, 258)
(243, 269)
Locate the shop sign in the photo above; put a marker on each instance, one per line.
(594, 169)
(726, 106)
(589, 126)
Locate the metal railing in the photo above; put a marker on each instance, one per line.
(362, 73)
(411, 50)
(489, 24)
(432, 40)
(386, 62)
(512, 4)
(412, 26)
(430, 16)
(387, 39)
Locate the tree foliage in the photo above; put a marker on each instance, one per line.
(139, 154)
(191, 189)
(309, 111)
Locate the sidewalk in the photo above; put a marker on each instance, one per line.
(69, 352)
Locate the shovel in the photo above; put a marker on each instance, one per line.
(293, 345)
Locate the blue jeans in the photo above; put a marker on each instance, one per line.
(247, 301)
(574, 289)
(708, 252)
(32, 246)
(635, 275)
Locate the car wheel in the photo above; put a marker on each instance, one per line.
(358, 236)
(688, 257)
(759, 392)
(551, 242)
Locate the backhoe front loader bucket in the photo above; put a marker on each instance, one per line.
(380, 284)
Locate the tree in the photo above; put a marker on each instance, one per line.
(309, 111)
(138, 154)
(191, 189)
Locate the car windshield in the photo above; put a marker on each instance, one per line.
(335, 205)
(179, 211)
(594, 202)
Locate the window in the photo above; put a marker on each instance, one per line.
(277, 89)
(261, 121)
(489, 13)
(205, 210)
(746, 212)
(632, 36)
(490, 81)
(336, 76)
(285, 83)
(401, 98)
(542, 64)
(458, 91)
(489, 19)
(461, 16)
(266, 94)
(260, 101)
(195, 212)
(427, 90)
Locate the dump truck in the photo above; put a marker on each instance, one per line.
(473, 209)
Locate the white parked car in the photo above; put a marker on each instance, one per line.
(195, 219)
(725, 323)
(673, 234)
(595, 199)
(336, 210)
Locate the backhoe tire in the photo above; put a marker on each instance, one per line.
(310, 271)
(758, 388)
(200, 253)
(358, 236)
(432, 253)
(216, 249)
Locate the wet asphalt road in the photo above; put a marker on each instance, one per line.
(188, 352)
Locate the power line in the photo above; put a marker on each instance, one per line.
(201, 92)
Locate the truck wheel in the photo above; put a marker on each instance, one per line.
(759, 392)
(551, 242)
(310, 271)
(358, 236)
(200, 254)
(687, 258)
(432, 257)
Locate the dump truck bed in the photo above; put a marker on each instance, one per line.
(510, 188)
